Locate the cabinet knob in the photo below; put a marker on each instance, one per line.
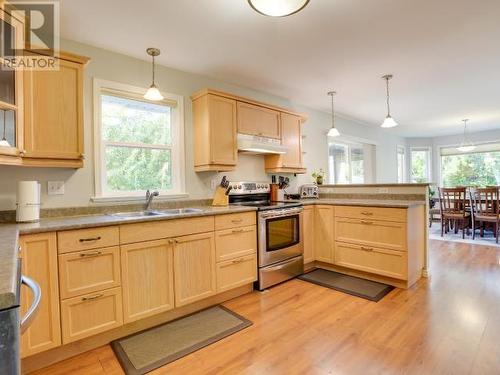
(22, 152)
(82, 156)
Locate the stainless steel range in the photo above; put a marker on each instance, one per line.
(279, 228)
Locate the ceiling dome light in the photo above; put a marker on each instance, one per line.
(389, 122)
(466, 145)
(333, 132)
(153, 93)
(278, 8)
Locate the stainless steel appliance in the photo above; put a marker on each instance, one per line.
(309, 191)
(11, 326)
(280, 244)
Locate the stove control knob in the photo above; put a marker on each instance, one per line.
(239, 186)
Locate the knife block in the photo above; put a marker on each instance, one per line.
(220, 197)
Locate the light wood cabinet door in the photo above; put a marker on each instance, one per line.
(236, 242)
(148, 279)
(237, 272)
(53, 121)
(194, 268)
(215, 143)
(308, 233)
(383, 262)
(377, 233)
(291, 138)
(91, 314)
(89, 271)
(324, 233)
(260, 121)
(39, 262)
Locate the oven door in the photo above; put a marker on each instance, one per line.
(279, 235)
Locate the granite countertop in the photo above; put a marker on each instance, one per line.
(363, 202)
(9, 236)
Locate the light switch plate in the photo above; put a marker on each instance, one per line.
(55, 187)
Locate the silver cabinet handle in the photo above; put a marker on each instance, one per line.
(237, 230)
(236, 221)
(366, 222)
(367, 213)
(366, 248)
(27, 319)
(92, 297)
(90, 239)
(92, 254)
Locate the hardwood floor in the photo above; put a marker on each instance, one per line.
(447, 324)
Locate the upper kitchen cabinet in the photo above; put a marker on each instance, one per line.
(291, 138)
(11, 94)
(214, 121)
(53, 115)
(259, 121)
(220, 118)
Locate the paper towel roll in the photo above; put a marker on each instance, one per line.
(28, 201)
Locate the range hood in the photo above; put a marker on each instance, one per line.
(259, 145)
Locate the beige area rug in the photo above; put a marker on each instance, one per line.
(147, 350)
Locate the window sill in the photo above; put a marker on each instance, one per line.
(133, 199)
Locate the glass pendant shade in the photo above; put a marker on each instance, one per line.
(389, 122)
(278, 8)
(3, 141)
(333, 132)
(153, 94)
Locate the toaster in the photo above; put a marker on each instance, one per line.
(309, 191)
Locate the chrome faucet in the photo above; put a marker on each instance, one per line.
(149, 199)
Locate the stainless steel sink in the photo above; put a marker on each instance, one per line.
(180, 211)
(137, 214)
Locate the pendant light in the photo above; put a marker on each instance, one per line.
(278, 8)
(3, 141)
(333, 132)
(466, 145)
(153, 93)
(389, 121)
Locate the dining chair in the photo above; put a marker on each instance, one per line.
(485, 203)
(452, 206)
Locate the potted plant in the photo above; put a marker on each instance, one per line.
(318, 176)
(432, 203)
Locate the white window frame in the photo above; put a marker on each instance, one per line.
(429, 162)
(177, 149)
(405, 166)
(349, 160)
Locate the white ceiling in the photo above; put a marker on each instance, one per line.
(445, 55)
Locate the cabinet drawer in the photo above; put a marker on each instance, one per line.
(242, 219)
(234, 273)
(236, 242)
(157, 230)
(85, 239)
(89, 271)
(371, 259)
(384, 234)
(91, 314)
(372, 213)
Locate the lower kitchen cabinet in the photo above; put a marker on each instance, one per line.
(383, 262)
(194, 268)
(324, 234)
(237, 272)
(308, 233)
(91, 314)
(148, 279)
(39, 262)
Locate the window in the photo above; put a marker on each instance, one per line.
(401, 164)
(481, 167)
(139, 144)
(346, 163)
(420, 164)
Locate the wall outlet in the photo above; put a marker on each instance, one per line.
(383, 190)
(55, 187)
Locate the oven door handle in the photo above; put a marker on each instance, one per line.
(281, 213)
(37, 297)
(281, 265)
